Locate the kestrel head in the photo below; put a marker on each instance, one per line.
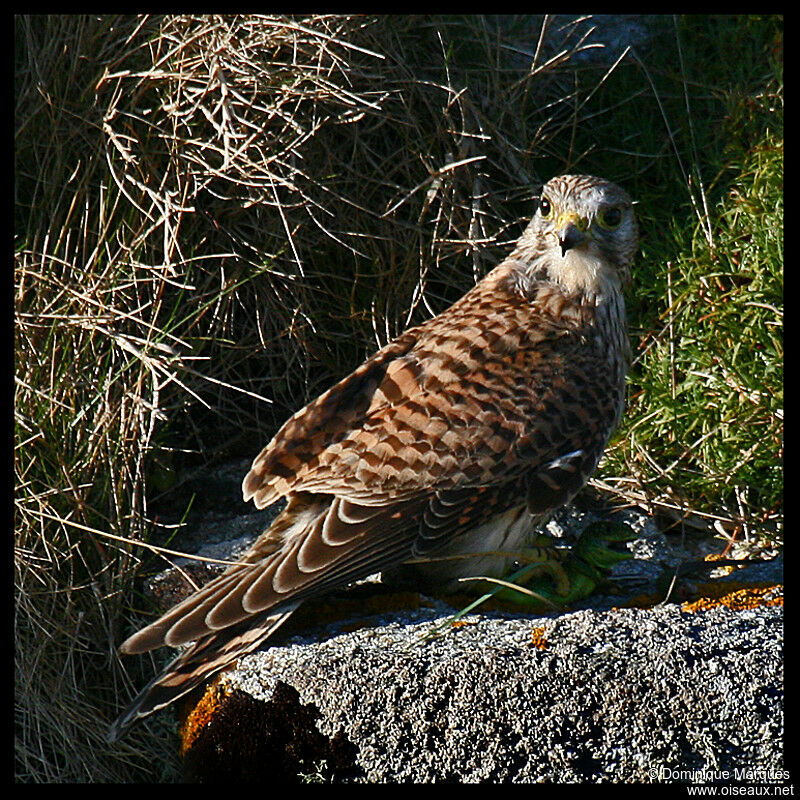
(583, 234)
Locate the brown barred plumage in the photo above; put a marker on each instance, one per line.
(455, 440)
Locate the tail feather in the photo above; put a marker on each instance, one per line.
(312, 547)
(160, 633)
(198, 663)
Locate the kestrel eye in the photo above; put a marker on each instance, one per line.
(544, 208)
(611, 218)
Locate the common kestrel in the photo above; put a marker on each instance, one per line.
(442, 453)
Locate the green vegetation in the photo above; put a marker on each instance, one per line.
(706, 423)
(206, 237)
(703, 437)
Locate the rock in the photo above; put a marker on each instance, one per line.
(639, 694)
(618, 695)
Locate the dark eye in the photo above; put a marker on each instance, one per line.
(611, 218)
(544, 208)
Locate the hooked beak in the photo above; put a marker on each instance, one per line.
(570, 230)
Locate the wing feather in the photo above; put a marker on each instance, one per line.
(477, 396)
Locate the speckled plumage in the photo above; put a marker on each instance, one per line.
(448, 445)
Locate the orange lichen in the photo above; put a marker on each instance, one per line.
(728, 569)
(740, 599)
(462, 623)
(537, 639)
(200, 715)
